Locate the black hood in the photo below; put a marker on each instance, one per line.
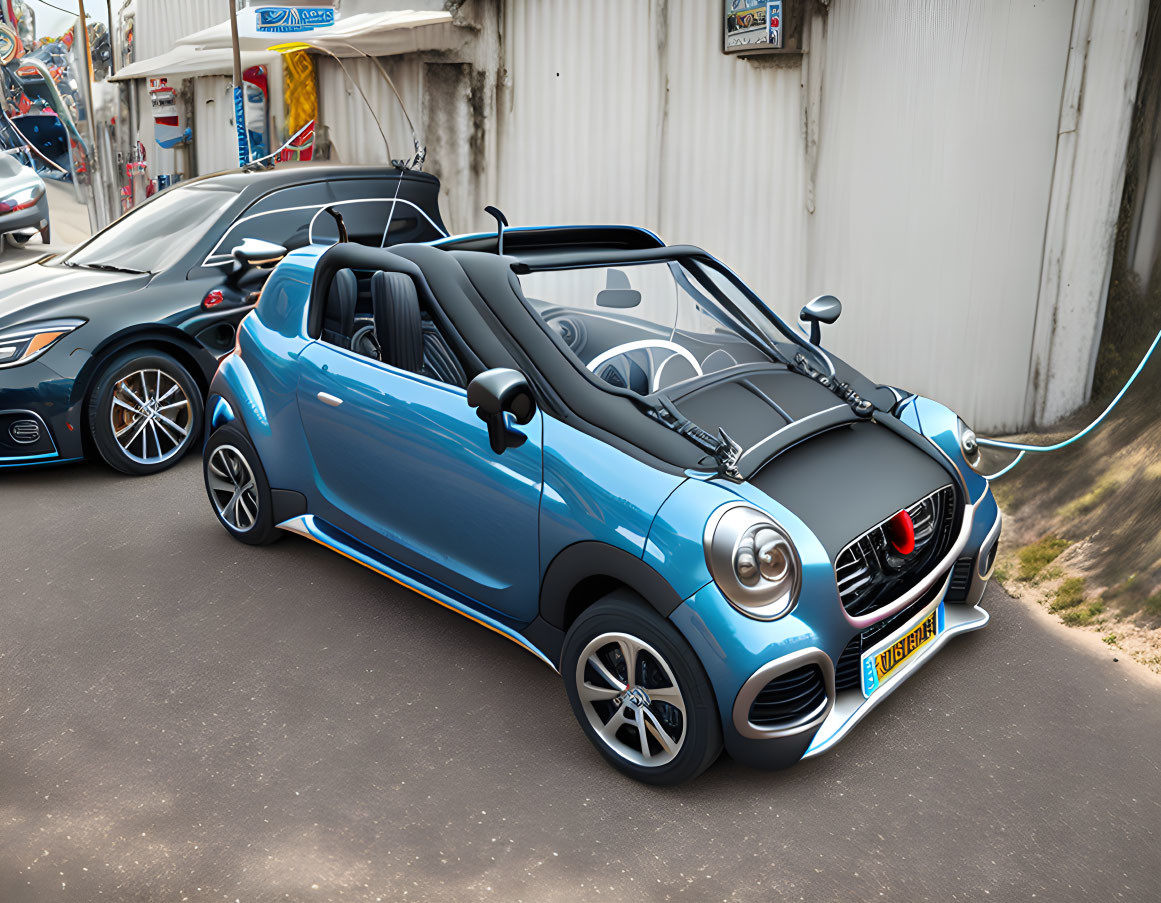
(45, 290)
(844, 481)
(805, 448)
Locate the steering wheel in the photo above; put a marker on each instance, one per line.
(617, 350)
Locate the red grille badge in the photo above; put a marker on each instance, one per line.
(901, 533)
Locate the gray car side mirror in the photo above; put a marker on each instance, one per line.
(823, 309)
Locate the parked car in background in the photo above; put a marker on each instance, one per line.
(23, 203)
(614, 454)
(108, 350)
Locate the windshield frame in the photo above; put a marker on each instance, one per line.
(691, 259)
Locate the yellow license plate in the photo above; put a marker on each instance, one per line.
(878, 666)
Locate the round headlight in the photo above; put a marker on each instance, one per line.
(969, 446)
(753, 562)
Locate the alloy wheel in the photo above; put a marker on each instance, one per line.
(150, 415)
(232, 488)
(631, 698)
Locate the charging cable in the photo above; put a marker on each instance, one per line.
(1024, 449)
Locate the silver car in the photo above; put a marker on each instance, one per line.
(23, 203)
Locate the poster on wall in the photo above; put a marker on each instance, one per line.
(752, 26)
(167, 128)
(257, 102)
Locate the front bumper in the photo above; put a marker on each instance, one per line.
(742, 656)
(35, 394)
(850, 706)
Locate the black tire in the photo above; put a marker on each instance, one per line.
(699, 742)
(219, 460)
(117, 386)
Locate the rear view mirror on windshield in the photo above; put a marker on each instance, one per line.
(617, 292)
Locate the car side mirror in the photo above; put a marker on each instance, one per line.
(496, 393)
(823, 309)
(254, 252)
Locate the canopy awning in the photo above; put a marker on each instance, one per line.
(375, 34)
(185, 61)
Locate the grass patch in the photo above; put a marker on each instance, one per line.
(1090, 500)
(1152, 605)
(1111, 639)
(1036, 556)
(1069, 595)
(1083, 614)
(1003, 494)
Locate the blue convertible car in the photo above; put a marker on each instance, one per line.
(613, 453)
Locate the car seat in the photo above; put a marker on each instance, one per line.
(339, 313)
(398, 326)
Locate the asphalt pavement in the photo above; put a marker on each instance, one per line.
(183, 717)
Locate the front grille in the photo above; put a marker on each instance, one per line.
(789, 698)
(846, 669)
(961, 580)
(870, 574)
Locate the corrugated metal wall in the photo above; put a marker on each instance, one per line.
(215, 138)
(936, 141)
(161, 22)
(353, 133)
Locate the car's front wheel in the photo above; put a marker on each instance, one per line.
(237, 487)
(639, 691)
(145, 412)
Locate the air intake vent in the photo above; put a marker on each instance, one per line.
(871, 573)
(961, 580)
(789, 699)
(24, 432)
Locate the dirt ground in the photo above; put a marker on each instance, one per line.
(1082, 530)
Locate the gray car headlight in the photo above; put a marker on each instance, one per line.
(21, 344)
(968, 445)
(753, 561)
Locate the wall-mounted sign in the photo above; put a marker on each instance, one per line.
(167, 128)
(753, 26)
(291, 19)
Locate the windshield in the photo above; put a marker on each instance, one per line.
(152, 237)
(650, 326)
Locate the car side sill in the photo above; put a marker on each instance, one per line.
(316, 529)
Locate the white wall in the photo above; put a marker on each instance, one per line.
(1095, 115)
(936, 145)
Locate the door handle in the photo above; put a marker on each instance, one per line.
(327, 398)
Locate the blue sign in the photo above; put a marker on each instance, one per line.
(290, 19)
(774, 23)
(240, 122)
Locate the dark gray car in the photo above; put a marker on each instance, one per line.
(109, 349)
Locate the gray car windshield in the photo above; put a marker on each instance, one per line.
(646, 327)
(153, 236)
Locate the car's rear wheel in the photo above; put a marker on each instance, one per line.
(639, 691)
(237, 487)
(145, 412)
